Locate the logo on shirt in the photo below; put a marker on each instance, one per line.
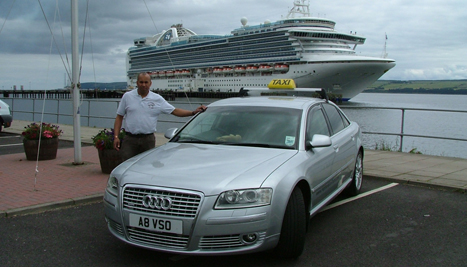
(151, 105)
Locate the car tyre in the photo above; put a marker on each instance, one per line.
(355, 185)
(292, 238)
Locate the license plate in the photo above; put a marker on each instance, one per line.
(156, 224)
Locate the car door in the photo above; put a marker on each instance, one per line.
(319, 160)
(343, 143)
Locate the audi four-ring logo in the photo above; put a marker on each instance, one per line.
(157, 202)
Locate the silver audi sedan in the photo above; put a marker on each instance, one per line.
(244, 176)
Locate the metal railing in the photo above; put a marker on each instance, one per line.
(61, 114)
(401, 133)
(86, 113)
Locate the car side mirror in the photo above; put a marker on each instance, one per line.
(319, 140)
(170, 133)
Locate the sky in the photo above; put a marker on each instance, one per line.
(426, 38)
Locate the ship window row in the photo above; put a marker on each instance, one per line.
(328, 36)
(215, 56)
(271, 57)
(205, 43)
(207, 58)
(134, 70)
(329, 52)
(243, 41)
(310, 22)
(214, 85)
(221, 52)
(288, 22)
(231, 48)
(253, 32)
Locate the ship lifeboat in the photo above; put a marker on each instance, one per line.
(177, 72)
(240, 69)
(185, 72)
(265, 68)
(281, 67)
(251, 68)
(208, 70)
(169, 73)
(217, 70)
(227, 70)
(161, 73)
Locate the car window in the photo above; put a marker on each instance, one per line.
(335, 118)
(260, 126)
(316, 123)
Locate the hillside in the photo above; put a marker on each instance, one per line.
(458, 87)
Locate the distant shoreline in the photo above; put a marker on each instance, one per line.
(418, 91)
(444, 87)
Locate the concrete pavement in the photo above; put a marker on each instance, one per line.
(28, 188)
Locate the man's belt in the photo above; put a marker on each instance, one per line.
(138, 135)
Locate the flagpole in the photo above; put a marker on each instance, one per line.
(75, 81)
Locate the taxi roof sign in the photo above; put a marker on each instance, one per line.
(282, 84)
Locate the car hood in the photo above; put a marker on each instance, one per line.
(210, 169)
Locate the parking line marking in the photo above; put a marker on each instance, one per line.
(10, 136)
(342, 202)
(20, 144)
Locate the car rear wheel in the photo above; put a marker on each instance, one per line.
(354, 187)
(292, 239)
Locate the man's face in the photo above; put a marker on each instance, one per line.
(144, 82)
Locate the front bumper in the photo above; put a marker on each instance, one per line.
(205, 231)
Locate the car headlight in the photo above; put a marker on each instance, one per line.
(112, 186)
(244, 198)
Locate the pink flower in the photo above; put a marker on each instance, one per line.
(48, 134)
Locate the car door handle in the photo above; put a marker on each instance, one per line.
(336, 148)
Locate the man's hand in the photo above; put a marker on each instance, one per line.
(117, 143)
(201, 108)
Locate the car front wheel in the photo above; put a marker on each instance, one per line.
(293, 232)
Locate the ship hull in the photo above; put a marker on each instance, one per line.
(344, 78)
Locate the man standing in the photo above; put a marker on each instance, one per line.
(141, 109)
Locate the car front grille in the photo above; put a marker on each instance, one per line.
(183, 204)
(158, 239)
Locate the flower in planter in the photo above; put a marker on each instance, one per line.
(48, 131)
(105, 138)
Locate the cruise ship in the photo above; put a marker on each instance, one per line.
(299, 47)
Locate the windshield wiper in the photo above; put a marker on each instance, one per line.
(193, 139)
(258, 145)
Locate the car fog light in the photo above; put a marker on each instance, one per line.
(249, 238)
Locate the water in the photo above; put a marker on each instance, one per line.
(443, 124)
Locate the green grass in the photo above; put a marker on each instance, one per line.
(385, 146)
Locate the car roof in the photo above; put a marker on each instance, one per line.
(269, 101)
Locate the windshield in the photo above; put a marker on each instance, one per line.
(245, 126)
